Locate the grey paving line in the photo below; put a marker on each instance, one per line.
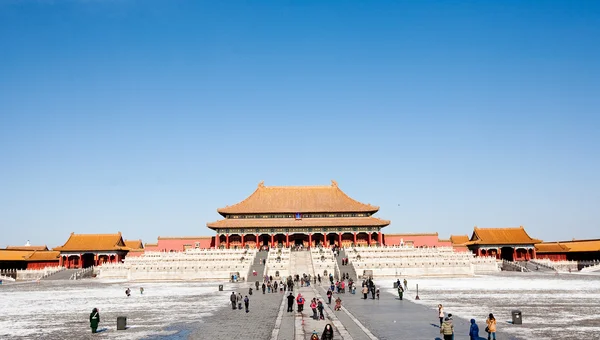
(275, 333)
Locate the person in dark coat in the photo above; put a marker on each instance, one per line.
(291, 298)
(127, 292)
(233, 300)
(94, 320)
(250, 291)
(320, 308)
(329, 294)
(474, 331)
(327, 333)
(247, 303)
(264, 287)
(256, 284)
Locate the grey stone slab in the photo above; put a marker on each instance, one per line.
(391, 318)
(227, 323)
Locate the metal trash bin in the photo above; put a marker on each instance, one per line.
(121, 323)
(395, 285)
(220, 288)
(517, 318)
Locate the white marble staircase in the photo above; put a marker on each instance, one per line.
(301, 263)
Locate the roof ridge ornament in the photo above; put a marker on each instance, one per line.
(334, 183)
(261, 184)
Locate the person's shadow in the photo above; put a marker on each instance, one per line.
(101, 330)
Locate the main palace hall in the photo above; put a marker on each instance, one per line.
(298, 215)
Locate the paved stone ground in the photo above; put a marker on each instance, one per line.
(227, 323)
(390, 318)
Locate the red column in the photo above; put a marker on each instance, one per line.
(369, 238)
(354, 238)
(257, 242)
(287, 240)
(60, 261)
(498, 254)
(340, 240)
(243, 241)
(534, 255)
(227, 241)
(217, 239)
(514, 254)
(273, 240)
(379, 239)
(310, 240)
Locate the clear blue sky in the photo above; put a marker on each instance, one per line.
(146, 116)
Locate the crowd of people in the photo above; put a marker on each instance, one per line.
(339, 286)
(447, 326)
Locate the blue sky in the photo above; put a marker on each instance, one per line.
(146, 116)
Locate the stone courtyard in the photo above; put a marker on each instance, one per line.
(198, 310)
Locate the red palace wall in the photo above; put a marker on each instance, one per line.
(180, 244)
(42, 264)
(418, 240)
(552, 256)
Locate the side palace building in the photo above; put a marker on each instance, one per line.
(298, 215)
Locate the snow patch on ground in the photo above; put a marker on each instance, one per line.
(60, 309)
(553, 306)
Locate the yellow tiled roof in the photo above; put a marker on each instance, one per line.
(297, 199)
(582, 245)
(459, 239)
(93, 242)
(134, 244)
(40, 255)
(501, 236)
(14, 255)
(27, 248)
(291, 223)
(551, 247)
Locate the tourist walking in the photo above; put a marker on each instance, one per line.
(491, 327)
(441, 314)
(240, 299)
(400, 292)
(300, 303)
(365, 292)
(327, 333)
(405, 284)
(264, 287)
(142, 290)
(314, 335)
(447, 329)
(256, 284)
(250, 291)
(313, 306)
(473, 331)
(128, 292)
(320, 307)
(329, 294)
(233, 300)
(247, 303)
(377, 293)
(94, 320)
(291, 299)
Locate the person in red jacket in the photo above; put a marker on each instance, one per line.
(300, 302)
